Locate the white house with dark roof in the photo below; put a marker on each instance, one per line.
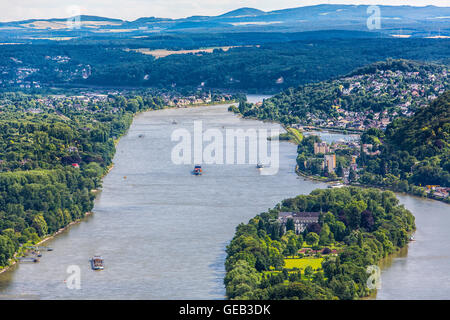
(301, 219)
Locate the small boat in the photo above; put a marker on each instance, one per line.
(97, 263)
(29, 259)
(174, 122)
(36, 253)
(259, 166)
(141, 136)
(197, 170)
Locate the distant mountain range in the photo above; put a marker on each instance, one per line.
(399, 21)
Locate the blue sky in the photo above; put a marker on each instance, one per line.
(132, 9)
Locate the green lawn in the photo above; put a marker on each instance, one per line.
(302, 263)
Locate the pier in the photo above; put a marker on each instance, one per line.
(28, 259)
(39, 248)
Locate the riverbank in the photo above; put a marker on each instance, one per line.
(14, 260)
(355, 184)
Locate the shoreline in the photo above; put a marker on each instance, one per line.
(14, 260)
(385, 188)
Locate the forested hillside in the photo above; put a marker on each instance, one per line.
(260, 67)
(329, 259)
(381, 90)
(414, 150)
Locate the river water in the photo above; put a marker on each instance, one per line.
(422, 270)
(163, 232)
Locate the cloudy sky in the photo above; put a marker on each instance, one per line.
(132, 9)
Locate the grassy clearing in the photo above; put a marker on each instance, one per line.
(295, 134)
(161, 53)
(302, 263)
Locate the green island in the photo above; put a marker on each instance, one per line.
(316, 246)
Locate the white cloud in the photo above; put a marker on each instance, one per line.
(132, 9)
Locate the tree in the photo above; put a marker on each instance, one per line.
(290, 224)
(40, 225)
(340, 171)
(312, 238)
(6, 249)
(325, 236)
(352, 175)
(308, 271)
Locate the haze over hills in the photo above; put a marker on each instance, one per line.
(395, 20)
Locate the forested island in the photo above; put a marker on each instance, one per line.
(275, 257)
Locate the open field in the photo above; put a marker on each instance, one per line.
(161, 53)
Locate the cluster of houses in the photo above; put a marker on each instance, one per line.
(329, 158)
(438, 191)
(17, 75)
(409, 92)
(199, 98)
(351, 120)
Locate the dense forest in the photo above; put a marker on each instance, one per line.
(53, 152)
(263, 67)
(364, 225)
(414, 151)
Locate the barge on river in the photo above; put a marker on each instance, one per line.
(197, 171)
(97, 263)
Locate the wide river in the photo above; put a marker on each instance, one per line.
(163, 232)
